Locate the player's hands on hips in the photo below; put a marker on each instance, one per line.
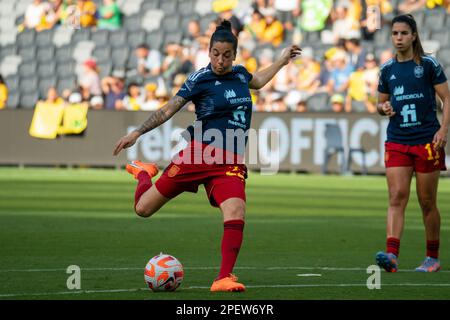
(290, 53)
(126, 142)
(440, 138)
(387, 108)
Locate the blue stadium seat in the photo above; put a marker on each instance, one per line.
(434, 19)
(65, 70)
(132, 23)
(150, 5)
(442, 36)
(186, 7)
(12, 82)
(105, 68)
(69, 83)
(173, 37)
(119, 57)
(170, 23)
(26, 38)
(10, 49)
(13, 100)
(64, 53)
(83, 34)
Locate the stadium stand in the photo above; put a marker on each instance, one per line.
(34, 60)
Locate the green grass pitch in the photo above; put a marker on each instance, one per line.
(306, 237)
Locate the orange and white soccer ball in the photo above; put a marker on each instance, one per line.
(163, 273)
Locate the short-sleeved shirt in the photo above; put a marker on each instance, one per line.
(222, 102)
(412, 96)
(111, 23)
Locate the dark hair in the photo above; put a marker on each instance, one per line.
(223, 33)
(418, 51)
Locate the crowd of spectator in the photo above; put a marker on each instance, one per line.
(343, 68)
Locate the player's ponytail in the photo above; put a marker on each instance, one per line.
(418, 51)
(223, 33)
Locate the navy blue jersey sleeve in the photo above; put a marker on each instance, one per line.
(437, 74)
(241, 69)
(382, 83)
(191, 87)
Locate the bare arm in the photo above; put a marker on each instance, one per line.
(440, 138)
(155, 119)
(260, 78)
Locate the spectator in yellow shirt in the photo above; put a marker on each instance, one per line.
(87, 9)
(53, 98)
(245, 58)
(273, 29)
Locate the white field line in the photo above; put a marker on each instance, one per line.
(206, 268)
(331, 285)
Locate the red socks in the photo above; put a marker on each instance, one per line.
(144, 183)
(231, 243)
(393, 245)
(433, 248)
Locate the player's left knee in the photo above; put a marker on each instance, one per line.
(427, 205)
(236, 212)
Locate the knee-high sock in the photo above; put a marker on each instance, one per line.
(393, 245)
(144, 183)
(233, 231)
(433, 248)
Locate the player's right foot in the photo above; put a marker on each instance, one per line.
(228, 284)
(135, 167)
(387, 261)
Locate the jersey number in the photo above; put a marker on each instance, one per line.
(430, 152)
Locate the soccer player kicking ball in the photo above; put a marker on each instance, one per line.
(415, 139)
(220, 93)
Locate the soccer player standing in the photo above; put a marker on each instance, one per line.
(415, 140)
(220, 93)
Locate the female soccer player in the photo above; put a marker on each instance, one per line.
(415, 139)
(223, 104)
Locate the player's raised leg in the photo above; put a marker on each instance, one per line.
(399, 182)
(426, 186)
(147, 199)
(233, 210)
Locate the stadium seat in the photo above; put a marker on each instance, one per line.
(10, 64)
(100, 37)
(119, 57)
(28, 101)
(45, 53)
(26, 38)
(44, 38)
(442, 36)
(130, 7)
(155, 39)
(318, 102)
(44, 85)
(132, 23)
(132, 62)
(203, 7)
(136, 38)
(28, 53)
(444, 57)
(152, 19)
(62, 36)
(434, 19)
(205, 21)
(83, 50)
(169, 6)
(105, 68)
(186, 7)
(28, 84)
(66, 69)
(173, 37)
(185, 19)
(382, 37)
(170, 23)
(102, 53)
(8, 37)
(69, 83)
(149, 5)
(118, 37)
(63, 53)
(10, 49)
(12, 82)
(13, 100)
(83, 34)
(47, 69)
(27, 69)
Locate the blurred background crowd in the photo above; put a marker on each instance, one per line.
(135, 54)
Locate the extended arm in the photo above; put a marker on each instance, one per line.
(440, 138)
(155, 119)
(262, 77)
